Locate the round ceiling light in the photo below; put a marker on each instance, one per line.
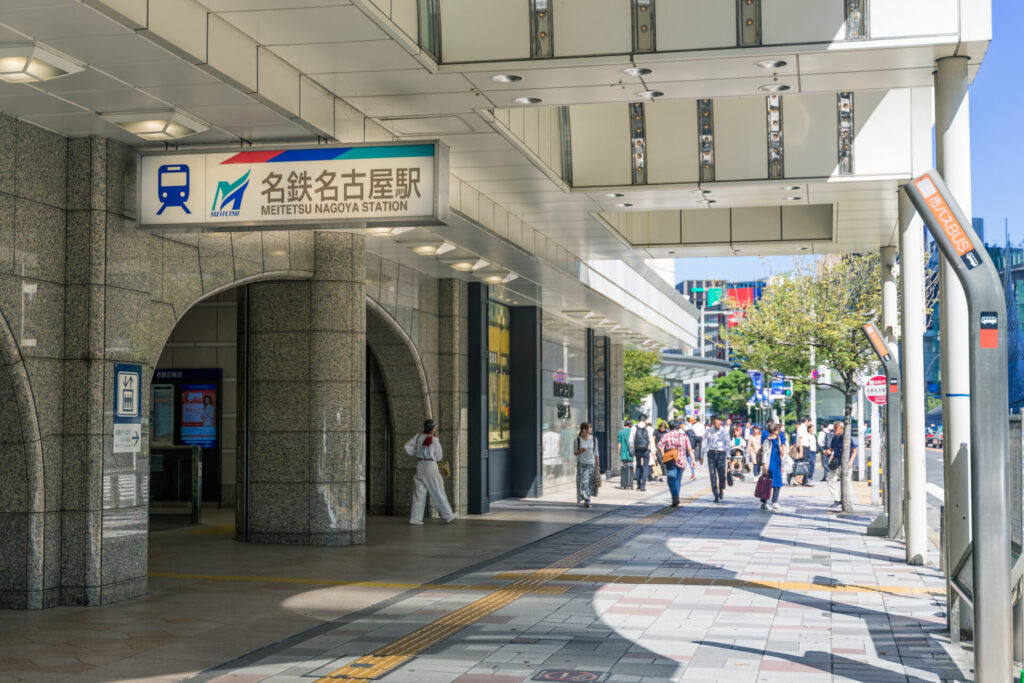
(527, 100)
(794, 199)
(774, 87)
(506, 78)
(638, 71)
(614, 195)
(800, 248)
(623, 205)
(771, 64)
(792, 188)
(650, 94)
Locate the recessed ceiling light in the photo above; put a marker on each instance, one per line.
(794, 199)
(638, 71)
(650, 94)
(623, 205)
(30, 63)
(792, 188)
(527, 100)
(800, 248)
(161, 125)
(614, 195)
(771, 63)
(774, 87)
(712, 201)
(506, 78)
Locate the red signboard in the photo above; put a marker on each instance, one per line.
(875, 390)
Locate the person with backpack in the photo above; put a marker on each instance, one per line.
(641, 440)
(625, 456)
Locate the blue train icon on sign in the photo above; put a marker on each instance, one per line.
(173, 186)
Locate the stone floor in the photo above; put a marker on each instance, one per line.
(630, 590)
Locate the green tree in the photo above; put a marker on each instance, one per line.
(640, 382)
(730, 392)
(826, 309)
(680, 400)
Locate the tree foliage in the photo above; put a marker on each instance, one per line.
(730, 392)
(825, 308)
(638, 368)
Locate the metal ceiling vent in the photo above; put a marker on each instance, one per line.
(706, 140)
(844, 103)
(776, 167)
(541, 25)
(748, 16)
(643, 26)
(638, 136)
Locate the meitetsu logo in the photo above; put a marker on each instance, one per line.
(227, 202)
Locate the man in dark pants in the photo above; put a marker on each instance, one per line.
(716, 445)
(641, 440)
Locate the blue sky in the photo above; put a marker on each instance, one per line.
(997, 130)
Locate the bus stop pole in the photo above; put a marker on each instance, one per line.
(990, 432)
(893, 434)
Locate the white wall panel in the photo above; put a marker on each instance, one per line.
(807, 222)
(695, 25)
(882, 133)
(182, 24)
(756, 224)
(232, 53)
(784, 22)
(316, 105)
(741, 138)
(810, 135)
(591, 27)
(899, 18)
(600, 145)
(278, 81)
(406, 17)
(478, 30)
(706, 226)
(671, 142)
(665, 227)
(132, 11)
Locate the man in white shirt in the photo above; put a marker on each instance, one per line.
(698, 434)
(824, 441)
(808, 446)
(426, 448)
(641, 441)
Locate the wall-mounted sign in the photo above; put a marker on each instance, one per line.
(389, 184)
(875, 390)
(127, 408)
(199, 414)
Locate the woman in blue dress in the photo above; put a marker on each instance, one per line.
(775, 465)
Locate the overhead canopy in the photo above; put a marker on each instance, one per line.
(677, 369)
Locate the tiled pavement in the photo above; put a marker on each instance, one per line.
(642, 593)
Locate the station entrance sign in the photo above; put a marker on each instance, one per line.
(345, 186)
(876, 389)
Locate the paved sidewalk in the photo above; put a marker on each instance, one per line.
(647, 593)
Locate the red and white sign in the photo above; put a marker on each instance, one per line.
(875, 390)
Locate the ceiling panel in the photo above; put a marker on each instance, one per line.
(399, 82)
(90, 79)
(329, 24)
(36, 104)
(238, 5)
(509, 174)
(160, 74)
(419, 105)
(102, 51)
(200, 95)
(371, 55)
(563, 77)
(116, 100)
(72, 20)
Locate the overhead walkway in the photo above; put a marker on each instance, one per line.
(629, 588)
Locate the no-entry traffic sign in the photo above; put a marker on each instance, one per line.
(876, 391)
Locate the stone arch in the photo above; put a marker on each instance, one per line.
(408, 395)
(22, 459)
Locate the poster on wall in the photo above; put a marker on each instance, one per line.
(199, 414)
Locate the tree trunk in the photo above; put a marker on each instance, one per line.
(844, 479)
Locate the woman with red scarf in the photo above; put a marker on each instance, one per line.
(426, 448)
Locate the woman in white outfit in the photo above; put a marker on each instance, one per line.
(426, 448)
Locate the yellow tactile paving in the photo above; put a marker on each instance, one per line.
(548, 590)
(792, 586)
(394, 654)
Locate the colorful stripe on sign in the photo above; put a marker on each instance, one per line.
(330, 154)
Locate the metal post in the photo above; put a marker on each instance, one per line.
(990, 438)
(861, 434)
(953, 156)
(812, 394)
(197, 485)
(876, 440)
(890, 522)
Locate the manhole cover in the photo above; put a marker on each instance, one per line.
(573, 676)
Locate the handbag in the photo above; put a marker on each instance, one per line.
(444, 468)
(728, 477)
(802, 469)
(597, 479)
(656, 469)
(669, 455)
(763, 490)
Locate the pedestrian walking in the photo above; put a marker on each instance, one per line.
(586, 465)
(754, 449)
(673, 446)
(625, 456)
(835, 463)
(426, 448)
(641, 440)
(772, 449)
(808, 449)
(698, 439)
(716, 445)
(825, 448)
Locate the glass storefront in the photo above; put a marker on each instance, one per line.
(564, 400)
(498, 377)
